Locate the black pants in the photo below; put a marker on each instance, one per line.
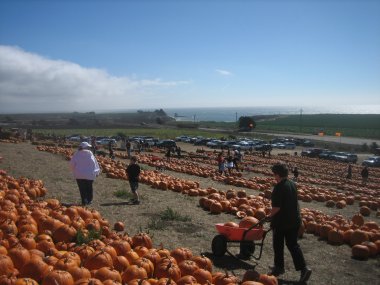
(85, 189)
(290, 237)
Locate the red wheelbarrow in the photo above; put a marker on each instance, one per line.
(248, 238)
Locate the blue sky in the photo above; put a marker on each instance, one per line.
(103, 55)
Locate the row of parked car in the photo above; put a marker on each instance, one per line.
(245, 143)
(330, 155)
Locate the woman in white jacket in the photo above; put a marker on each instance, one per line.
(85, 168)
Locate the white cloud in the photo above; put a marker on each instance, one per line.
(30, 82)
(223, 72)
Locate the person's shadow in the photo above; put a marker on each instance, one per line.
(118, 204)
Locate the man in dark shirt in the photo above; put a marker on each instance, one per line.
(286, 220)
(133, 172)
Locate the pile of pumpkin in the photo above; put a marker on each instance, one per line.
(363, 236)
(39, 245)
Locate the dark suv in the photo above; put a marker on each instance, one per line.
(166, 143)
(312, 152)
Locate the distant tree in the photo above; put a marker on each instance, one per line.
(364, 147)
(160, 112)
(73, 122)
(159, 121)
(246, 123)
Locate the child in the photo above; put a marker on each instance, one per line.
(133, 172)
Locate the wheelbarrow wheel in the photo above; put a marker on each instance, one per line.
(247, 248)
(219, 245)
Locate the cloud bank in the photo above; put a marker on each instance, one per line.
(33, 83)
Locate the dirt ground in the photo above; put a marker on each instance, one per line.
(330, 264)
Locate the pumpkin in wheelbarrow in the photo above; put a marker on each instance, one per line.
(248, 222)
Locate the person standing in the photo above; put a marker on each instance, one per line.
(220, 161)
(85, 168)
(365, 174)
(168, 154)
(349, 172)
(237, 159)
(133, 171)
(285, 221)
(128, 146)
(295, 174)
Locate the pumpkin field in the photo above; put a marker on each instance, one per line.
(46, 237)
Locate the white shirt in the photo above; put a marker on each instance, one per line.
(84, 165)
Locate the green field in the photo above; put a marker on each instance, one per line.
(364, 126)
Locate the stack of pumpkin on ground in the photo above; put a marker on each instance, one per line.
(39, 245)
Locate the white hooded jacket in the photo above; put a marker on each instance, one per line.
(84, 165)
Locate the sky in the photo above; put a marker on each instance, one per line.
(83, 55)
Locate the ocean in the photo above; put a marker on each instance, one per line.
(232, 114)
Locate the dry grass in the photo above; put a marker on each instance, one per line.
(330, 264)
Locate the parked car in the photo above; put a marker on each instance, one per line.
(307, 143)
(326, 154)
(243, 145)
(166, 143)
(263, 147)
(214, 144)
(373, 161)
(345, 157)
(289, 145)
(106, 141)
(312, 152)
(201, 141)
(352, 158)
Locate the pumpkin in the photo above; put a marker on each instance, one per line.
(6, 265)
(360, 252)
(98, 259)
(268, 279)
(248, 222)
(79, 273)
(25, 281)
(106, 273)
(357, 237)
(188, 267)
(231, 224)
(35, 269)
(133, 272)
(203, 276)
(365, 211)
(181, 254)
(121, 246)
(187, 280)
(20, 256)
(203, 262)
(119, 226)
(166, 268)
(120, 263)
(372, 247)
(146, 264)
(142, 239)
(88, 281)
(58, 277)
(335, 237)
(224, 279)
